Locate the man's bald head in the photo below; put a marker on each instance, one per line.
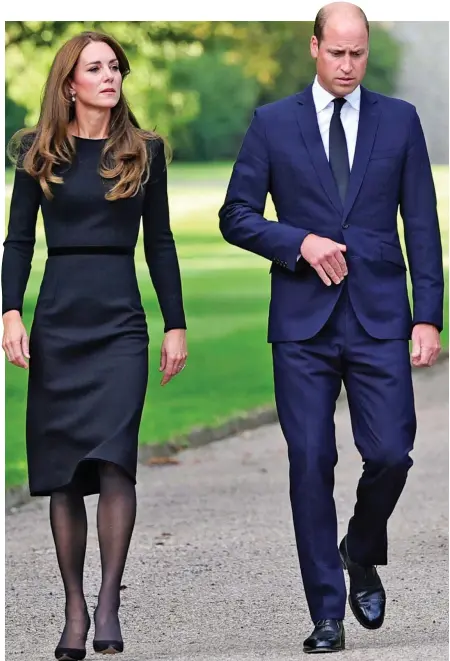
(337, 11)
(340, 46)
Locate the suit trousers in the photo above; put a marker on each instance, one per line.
(377, 376)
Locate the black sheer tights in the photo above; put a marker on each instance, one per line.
(69, 527)
(116, 515)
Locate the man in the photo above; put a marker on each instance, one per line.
(339, 161)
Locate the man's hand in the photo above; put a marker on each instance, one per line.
(426, 345)
(325, 256)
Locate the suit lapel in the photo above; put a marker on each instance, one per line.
(309, 127)
(369, 115)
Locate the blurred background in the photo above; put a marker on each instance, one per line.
(198, 83)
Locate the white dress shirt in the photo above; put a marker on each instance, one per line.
(323, 101)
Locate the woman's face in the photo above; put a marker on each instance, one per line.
(97, 81)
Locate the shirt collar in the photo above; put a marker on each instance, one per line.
(322, 98)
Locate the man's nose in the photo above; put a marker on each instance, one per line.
(347, 64)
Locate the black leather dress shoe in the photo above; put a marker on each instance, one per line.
(328, 636)
(367, 597)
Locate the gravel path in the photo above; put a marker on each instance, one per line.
(212, 573)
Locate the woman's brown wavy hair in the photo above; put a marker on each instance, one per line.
(125, 156)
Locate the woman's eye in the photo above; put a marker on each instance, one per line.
(114, 67)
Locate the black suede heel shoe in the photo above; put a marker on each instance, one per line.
(69, 654)
(73, 653)
(107, 646)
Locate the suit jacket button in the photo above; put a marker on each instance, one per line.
(345, 226)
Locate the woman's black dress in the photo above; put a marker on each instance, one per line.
(88, 341)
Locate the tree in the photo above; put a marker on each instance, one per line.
(15, 115)
(195, 82)
(224, 96)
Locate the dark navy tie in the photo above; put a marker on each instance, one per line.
(338, 150)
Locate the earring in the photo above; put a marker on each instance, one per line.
(72, 96)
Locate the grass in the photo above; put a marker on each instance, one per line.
(226, 293)
(9, 176)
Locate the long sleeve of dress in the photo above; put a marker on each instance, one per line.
(20, 240)
(159, 245)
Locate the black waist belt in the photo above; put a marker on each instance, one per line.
(90, 250)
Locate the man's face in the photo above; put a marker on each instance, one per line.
(341, 58)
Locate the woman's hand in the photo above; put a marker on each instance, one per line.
(173, 354)
(15, 339)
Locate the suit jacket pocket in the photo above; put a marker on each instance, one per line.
(391, 253)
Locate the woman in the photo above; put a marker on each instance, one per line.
(94, 174)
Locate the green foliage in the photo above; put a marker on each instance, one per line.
(224, 98)
(195, 82)
(150, 47)
(383, 61)
(15, 116)
(296, 68)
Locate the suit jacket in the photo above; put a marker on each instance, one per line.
(283, 154)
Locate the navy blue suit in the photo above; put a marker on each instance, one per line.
(354, 333)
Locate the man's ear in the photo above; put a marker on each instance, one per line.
(314, 47)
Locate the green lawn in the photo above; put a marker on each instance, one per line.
(226, 294)
(9, 176)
